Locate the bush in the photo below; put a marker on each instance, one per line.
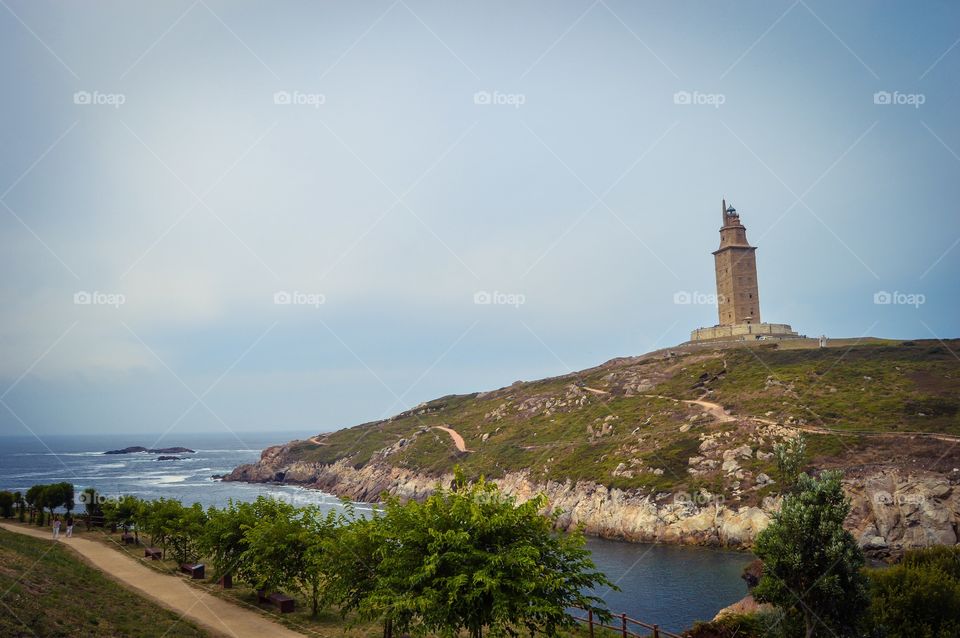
(919, 598)
(947, 559)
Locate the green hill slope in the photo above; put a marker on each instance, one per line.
(624, 423)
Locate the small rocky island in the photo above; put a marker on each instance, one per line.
(162, 450)
(169, 458)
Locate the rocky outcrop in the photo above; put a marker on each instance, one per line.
(136, 449)
(890, 510)
(893, 510)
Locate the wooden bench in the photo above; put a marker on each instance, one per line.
(196, 570)
(226, 581)
(284, 603)
(128, 539)
(153, 553)
(262, 596)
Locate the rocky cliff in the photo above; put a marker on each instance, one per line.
(891, 510)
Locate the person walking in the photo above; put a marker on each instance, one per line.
(56, 527)
(69, 525)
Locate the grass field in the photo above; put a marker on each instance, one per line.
(45, 590)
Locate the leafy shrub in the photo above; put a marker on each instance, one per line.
(920, 598)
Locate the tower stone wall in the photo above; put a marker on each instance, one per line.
(735, 263)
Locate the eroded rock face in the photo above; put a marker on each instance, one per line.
(890, 511)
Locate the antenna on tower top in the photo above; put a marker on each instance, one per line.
(723, 211)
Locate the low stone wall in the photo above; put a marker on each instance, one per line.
(744, 331)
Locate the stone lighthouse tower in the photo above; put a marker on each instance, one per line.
(738, 300)
(738, 294)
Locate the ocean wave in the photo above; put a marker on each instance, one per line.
(56, 454)
(170, 478)
(234, 451)
(31, 474)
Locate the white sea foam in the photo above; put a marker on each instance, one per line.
(107, 466)
(170, 478)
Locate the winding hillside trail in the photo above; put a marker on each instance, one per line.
(457, 439)
(594, 390)
(218, 616)
(718, 412)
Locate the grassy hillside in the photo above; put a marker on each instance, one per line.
(621, 423)
(47, 591)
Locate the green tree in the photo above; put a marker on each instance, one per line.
(183, 532)
(6, 504)
(274, 552)
(57, 495)
(812, 565)
(791, 456)
(157, 518)
(352, 560)
(122, 511)
(35, 499)
(224, 537)
(470, 558)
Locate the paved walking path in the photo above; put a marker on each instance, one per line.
(214, 614)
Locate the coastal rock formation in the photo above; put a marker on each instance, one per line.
(135, 449)
(891, 510)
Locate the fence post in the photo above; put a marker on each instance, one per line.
(590, 621)
(623, 621)
(656, 631)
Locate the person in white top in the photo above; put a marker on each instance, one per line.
(56, 528)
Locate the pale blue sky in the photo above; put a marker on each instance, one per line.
(391, 194)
